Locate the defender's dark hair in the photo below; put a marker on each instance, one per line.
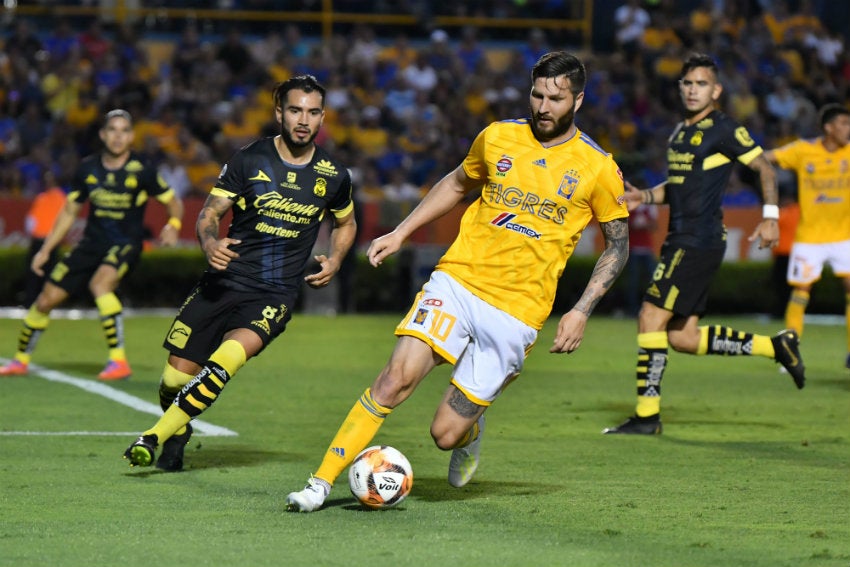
(557, 63)
(306, 83)
(695, 60)
(830, 111)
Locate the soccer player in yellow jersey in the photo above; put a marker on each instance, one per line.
(542, 181)
(822, 166)
(701, 153)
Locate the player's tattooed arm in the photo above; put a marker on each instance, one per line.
(610, 264)
(217, 250)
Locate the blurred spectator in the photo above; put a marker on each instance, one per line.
(631, 19)
(420, 75)
(93, 42)
(173, 170)
(40, 218)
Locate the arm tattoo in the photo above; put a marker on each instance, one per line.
(462, 405)
(208, 220)
(609, 265)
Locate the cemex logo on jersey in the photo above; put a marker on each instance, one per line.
(504, 220)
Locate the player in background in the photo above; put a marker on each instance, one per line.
(701, 153)
(117, 184)
(41, 216)
(279, 190)
(822, 166)
(541, 180)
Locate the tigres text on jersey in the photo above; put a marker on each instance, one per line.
(516, 238)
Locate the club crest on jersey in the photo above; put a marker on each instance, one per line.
(504, 165)
(321, 187)
(569, 184)
(696, 139)
(421, 315)
(504, 221)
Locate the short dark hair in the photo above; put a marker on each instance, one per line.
(557, 63)
(306, 83)
(830, 111)
(695, 60)
(116, 113)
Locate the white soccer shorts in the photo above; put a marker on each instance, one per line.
(806, 262)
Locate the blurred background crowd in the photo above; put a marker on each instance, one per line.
(404, 101)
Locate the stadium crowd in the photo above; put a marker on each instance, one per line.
(400, 109)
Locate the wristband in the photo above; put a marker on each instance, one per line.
(175, 222)
(770, 212)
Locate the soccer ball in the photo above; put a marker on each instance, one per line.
(380, 477)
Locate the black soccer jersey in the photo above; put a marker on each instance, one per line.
(117, 198)
(699, 162)
(277, 212)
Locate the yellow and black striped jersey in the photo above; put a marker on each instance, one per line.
(516, 238)
(823, 189)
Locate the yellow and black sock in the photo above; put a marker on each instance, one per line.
(34, 324)
(355, 433)
(717, 339)
(652, 360)
(170, 384)
(112, 320)
(795, 311)
(201, 391)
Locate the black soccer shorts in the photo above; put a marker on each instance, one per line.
(682, 278)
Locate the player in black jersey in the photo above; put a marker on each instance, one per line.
(117, 184)
(701, 153)
(279, 190)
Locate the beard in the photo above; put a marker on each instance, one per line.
(294, 144)
(559, 127)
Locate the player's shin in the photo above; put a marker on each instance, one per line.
(354, 435)
(717, 339)
(652, 360)
(201, 391)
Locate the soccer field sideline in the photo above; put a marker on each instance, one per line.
(106, 391)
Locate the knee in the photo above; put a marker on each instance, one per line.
(683, 342)
(444, 438)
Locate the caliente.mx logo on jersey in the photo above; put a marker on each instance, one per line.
(504, 220)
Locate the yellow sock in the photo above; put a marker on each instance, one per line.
(109, 307)
(35, 323)
(652, 359)
(170, 384)
(173, 420)
(230, 355)
(355, 433)
(470, 436)
(796, 310)
(717, 339)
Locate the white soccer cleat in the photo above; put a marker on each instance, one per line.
(464, 461)
(310, 499)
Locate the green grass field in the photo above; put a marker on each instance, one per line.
(749, 472)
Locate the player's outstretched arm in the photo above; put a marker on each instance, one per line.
(442, 198)
(608, 267)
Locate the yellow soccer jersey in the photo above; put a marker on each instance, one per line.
(515, 239)
(823, 189)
